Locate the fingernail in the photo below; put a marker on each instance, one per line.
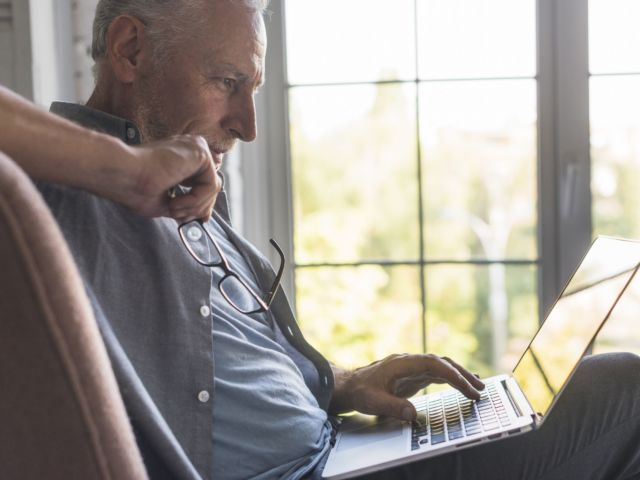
(407, 414)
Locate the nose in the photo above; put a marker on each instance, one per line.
(241, 122)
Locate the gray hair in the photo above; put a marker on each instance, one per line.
(165, 20)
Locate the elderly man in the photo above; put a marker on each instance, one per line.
(216, 376)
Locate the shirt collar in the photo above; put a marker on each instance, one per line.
(97, 120)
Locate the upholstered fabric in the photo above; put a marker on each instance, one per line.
(61, 414)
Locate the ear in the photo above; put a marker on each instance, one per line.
(125, 47)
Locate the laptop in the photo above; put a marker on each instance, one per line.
(510, 404)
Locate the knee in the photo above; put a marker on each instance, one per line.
(618, 368)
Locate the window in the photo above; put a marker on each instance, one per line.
(413, 156)
(614, 64)
(614, 87)
(465, 126)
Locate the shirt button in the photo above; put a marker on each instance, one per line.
(131, 133)
(203, 396)
(194, 234)
(205, 311)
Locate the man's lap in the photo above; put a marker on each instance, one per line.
(592, 432)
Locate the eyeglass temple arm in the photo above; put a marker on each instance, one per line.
(276, 283)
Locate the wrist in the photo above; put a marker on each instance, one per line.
(111, 171)
(341, 398)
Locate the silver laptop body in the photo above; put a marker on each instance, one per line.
(510, 404)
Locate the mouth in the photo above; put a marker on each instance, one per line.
(218, 156)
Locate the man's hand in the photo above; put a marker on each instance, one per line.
(158, 166)
(383, 387)
(52, 149)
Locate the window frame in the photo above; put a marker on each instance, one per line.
(564, 196)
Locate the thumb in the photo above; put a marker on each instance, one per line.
(383, 403)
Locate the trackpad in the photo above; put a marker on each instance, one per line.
(361, 430)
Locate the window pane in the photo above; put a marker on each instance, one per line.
(478, 144)
(483, 317)
(615, 155)
(354, 169)
(355, 315)
(347, 41)
(471, 38)
(621, 332)
(614, 36)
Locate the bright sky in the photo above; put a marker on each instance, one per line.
(369, 40)
(614, 36)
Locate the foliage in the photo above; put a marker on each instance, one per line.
(356, 200)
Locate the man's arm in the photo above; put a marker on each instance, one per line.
(383, 387)
(55, 150)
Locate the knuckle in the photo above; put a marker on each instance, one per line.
(430, 357)
(390, 358)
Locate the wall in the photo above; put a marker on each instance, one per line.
(15, 47)
(82, 16)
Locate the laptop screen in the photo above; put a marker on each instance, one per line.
(575, 319)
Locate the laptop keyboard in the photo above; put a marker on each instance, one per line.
(452, 416)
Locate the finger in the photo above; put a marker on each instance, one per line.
(380, 402)
(184, 219)
(202, 142)
(436, 367)
(193, 201)
(454, 378)
(199, 201)
(197, 162)
(471, 377)
(191, 212)
(408, 386)
(199, 208)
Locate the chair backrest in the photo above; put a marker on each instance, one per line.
(61, 414)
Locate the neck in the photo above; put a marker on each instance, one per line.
(111, 98)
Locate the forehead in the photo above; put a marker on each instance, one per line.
(228, 32)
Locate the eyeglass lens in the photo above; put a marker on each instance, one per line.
(199, 243)
(205, 251)
(238, 294)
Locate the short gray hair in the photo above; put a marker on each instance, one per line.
(164, 20)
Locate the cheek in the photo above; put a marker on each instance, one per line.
(200, 114)
(190, 105)
(207, 107)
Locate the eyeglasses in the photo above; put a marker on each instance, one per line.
(234, 289)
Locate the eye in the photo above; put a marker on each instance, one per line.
(229, 83)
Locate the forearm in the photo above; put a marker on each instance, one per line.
(52, 149)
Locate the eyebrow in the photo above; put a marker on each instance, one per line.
(232, 69)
